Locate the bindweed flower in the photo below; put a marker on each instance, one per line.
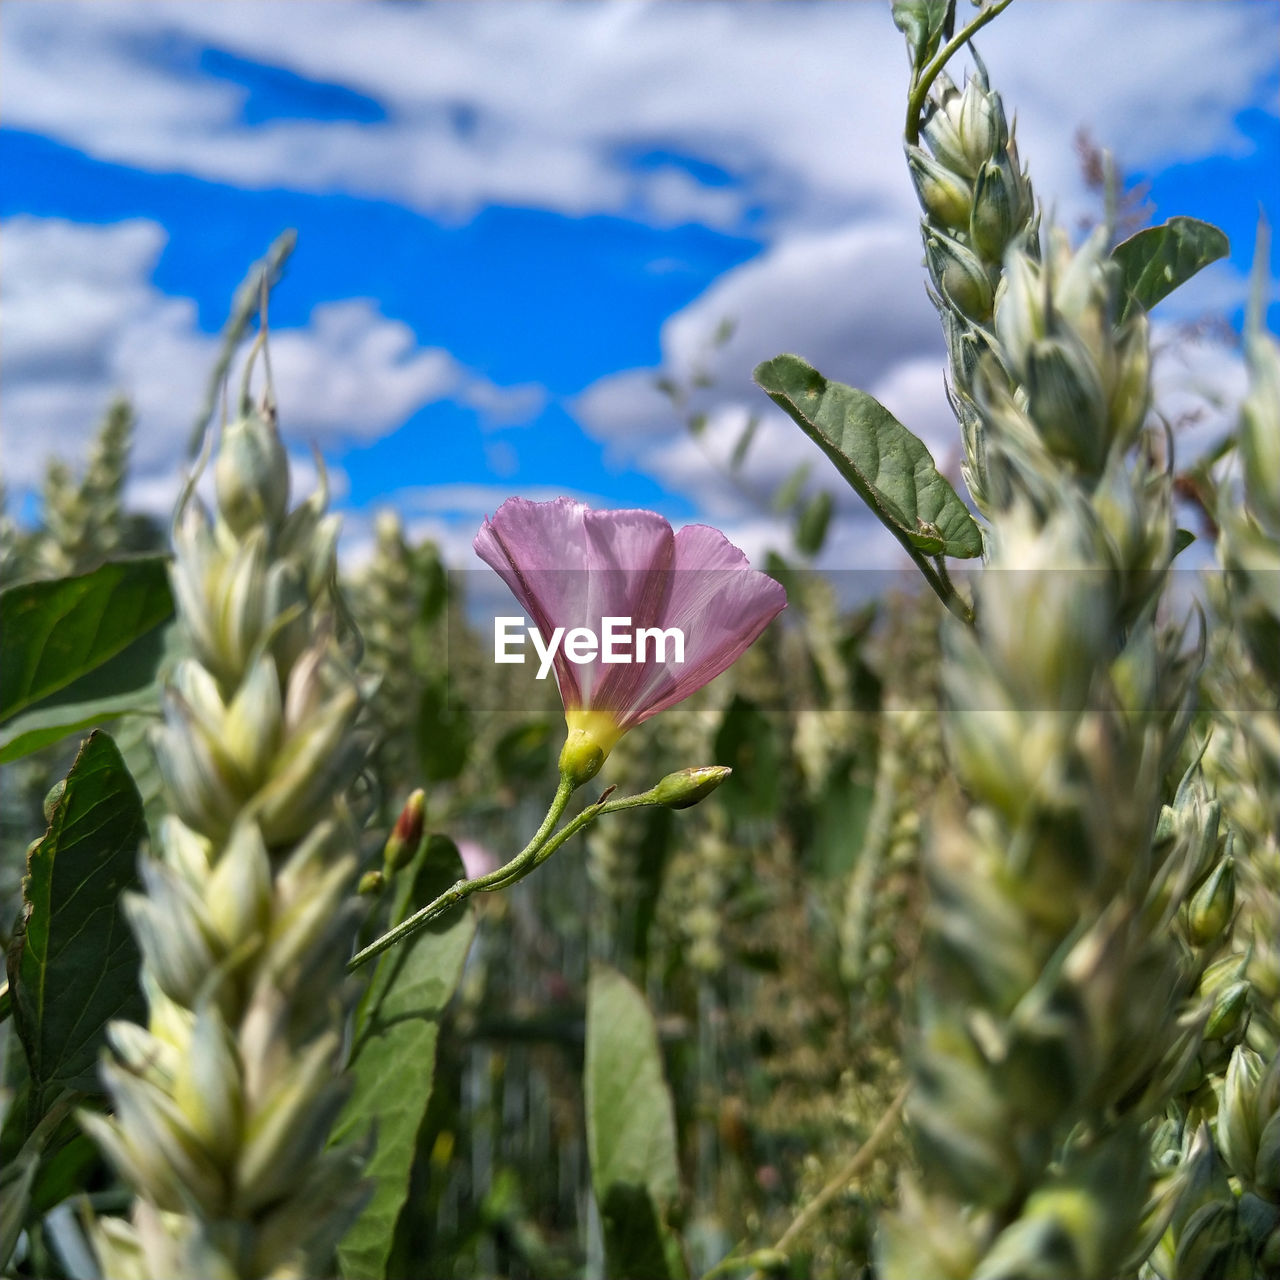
(689, 600)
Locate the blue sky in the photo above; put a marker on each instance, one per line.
(513, 218)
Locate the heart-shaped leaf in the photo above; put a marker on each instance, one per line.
(393, 1058)
(73, 963)
(77, 651)
(631, 1132)
(890, 469)
(1156, 261)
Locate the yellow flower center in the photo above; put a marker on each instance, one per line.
(592, 735)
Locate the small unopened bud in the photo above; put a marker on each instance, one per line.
(1213, 1243)
(686, 787)
(945, 197)
(371, 884)
(941, 128)
(1238, 1128)
(1066, 402)
(406, 835)
(999, 211)
(252, 473)
(1227, 1016)
(1130, 392)
(1209, 911)
(983, 130)
(959, 276)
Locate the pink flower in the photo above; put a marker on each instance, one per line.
(571, 567)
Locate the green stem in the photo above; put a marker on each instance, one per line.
(534, 854)
(953, 599)
(519, 866)
(920, 88)
(941, 583)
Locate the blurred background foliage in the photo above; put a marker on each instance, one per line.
(771, 928)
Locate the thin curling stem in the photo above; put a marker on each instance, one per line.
(533, 855)
(942, 586)
(920, 89)
(517, 868)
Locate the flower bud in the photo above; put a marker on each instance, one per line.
(289, 1129)
(406, 835)
(945, 198)
(983, 130)
(203, 784)
(371, 884)
(959, 276)
(150, 1127)
(965, 130)
(999, 209)
(1238, 1128)
(252, 474)
(238, 894)
(251, 729)
(304, 769)
(1227, 1014)
(1267, 1166)
(237, 597)
(684, 788)
(207, 1087)
(1209, 911)
(1065, 400)
(1212, 1244)
(941, 127)
(173, 933)
(1130, 390)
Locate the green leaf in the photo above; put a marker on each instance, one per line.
(886, 466)
(811, 527)
(433, 581)
(46, 724)
(631, 1131)
(57, 633)
(73, 964)
(922, 22)
(1156, 261)
(393, 1057)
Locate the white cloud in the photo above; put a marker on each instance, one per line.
(852, 302)
(538, 106)
(512, 103)
(82, 321)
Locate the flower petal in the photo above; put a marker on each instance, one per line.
(569, 566)
(720, 603)
(540, 550)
